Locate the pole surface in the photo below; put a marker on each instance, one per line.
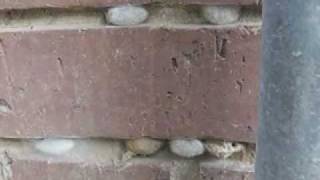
(289, 127)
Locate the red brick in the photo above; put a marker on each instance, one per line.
(25, 4)
(226, 170)
(130, 82)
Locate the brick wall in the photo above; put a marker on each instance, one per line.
(99, 89)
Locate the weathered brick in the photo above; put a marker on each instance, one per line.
(130, 82)
(25, 4)
(226, 170)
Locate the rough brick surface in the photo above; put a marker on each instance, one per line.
(226, 170)
(24, 4)
(124, 83)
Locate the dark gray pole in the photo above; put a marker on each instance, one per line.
(289, 132)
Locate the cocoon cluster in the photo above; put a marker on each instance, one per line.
(54, 146)
(223, 14)
(187, 147)
(127, 15)
(144, 146)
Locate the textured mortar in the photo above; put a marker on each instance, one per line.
(48, 17)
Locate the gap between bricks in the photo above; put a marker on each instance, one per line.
(183, 156)
(128, 15)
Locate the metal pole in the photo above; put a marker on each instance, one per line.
(289, 132)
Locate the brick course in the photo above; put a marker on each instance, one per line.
(187, 82)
